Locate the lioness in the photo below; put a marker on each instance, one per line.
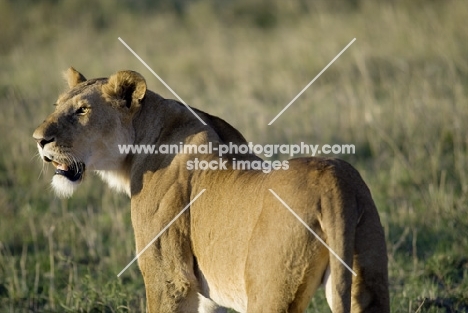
(237, 246)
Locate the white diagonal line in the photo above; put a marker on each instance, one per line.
(314, 233)
(313, 80)
(160, 79)
(160, 233)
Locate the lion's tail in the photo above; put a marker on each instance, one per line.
(370, 286)
(364, 251)
(357, 237)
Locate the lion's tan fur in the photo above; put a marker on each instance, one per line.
(237, 246)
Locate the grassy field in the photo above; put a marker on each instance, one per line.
(399, 94)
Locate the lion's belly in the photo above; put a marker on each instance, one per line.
(222, 274)
(229, 295)
(226, 295)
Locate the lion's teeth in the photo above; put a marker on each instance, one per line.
(62, 167)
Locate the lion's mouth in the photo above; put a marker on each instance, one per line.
(73, 172)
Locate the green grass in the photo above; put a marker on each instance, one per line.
(399, 93)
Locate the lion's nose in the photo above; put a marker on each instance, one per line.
(43, 141)
(41, 137)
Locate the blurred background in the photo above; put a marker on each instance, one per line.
(399, 94)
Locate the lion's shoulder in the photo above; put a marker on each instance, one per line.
(226, 132)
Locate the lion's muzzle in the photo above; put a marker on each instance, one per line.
(73, 172)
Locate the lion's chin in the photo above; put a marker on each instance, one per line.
(64, 187)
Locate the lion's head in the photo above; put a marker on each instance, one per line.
(89, 122)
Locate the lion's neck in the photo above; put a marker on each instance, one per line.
(159, 122)
(165, 122)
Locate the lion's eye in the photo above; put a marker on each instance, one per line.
(82, 111)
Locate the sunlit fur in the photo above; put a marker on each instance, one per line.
(237, 246)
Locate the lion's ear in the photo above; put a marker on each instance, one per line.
(73, 77)
(126, 85)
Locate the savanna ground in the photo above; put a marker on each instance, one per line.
(399, 94)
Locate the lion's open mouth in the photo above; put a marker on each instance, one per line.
(73, 172)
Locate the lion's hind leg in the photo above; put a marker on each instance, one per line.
(281, 276)
(306, 291)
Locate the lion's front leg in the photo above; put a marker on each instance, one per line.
(170, 283)
(171, 290)
(167, 265)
